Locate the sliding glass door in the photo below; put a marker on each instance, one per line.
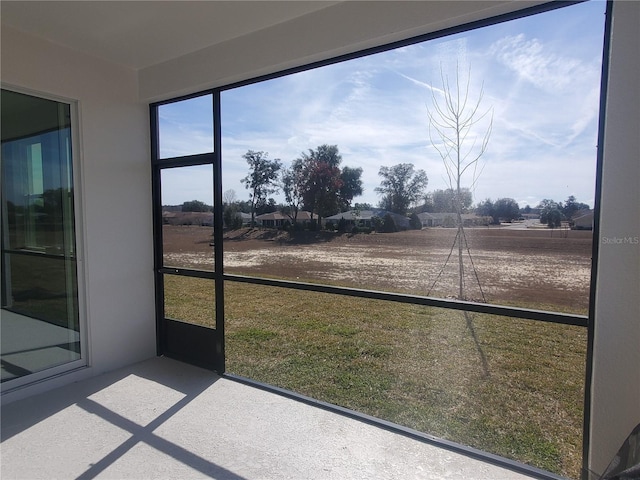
(40, 322)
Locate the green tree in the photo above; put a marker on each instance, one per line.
(414, 222)
(320, 192)
(231, 217)
(487, 209)
(351, 186)
(243, 206)
(293, 184)
(362, 206)
(316, 181)
(506, 209)
(547, 206)
(195, 206)
(554, 218)
(572, 206)
(261, 180)
(446, 201)
(503, 209)
(322, 189)
(401, 186)
(388, 224)
(266, 206)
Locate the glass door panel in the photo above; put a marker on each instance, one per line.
(40, 322)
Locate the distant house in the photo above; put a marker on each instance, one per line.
(582, 221)
(448, 219)
(363, 217)
(168, 218)
(272, 219)
(278, 219)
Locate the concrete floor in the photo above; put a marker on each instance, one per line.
(29, 345)
(166, 420)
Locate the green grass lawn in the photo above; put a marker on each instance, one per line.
(507, 386)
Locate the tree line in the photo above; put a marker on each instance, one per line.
(317, 182)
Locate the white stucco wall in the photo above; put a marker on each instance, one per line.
(116, 229)
(353, 26)
(616, 366)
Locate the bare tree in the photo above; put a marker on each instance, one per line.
(229, 196)
(453, 122)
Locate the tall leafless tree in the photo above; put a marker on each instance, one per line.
(229, 196)
(454, 124)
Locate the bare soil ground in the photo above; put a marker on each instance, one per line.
(537, 268)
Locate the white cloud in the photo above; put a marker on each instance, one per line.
(544, 97)
(531, 61)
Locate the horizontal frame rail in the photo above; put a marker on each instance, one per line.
(513, 312)
(186, 161)
(34, 253)
(460, 305)
(187, 272)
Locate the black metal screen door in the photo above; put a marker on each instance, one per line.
(187, 231)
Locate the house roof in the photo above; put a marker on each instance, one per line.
(302, 215)
(356, 215)
(442, 215)
(585, 217)
(271, 216)
(586, 213)
(361, 214)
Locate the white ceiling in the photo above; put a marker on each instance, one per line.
(143, 33)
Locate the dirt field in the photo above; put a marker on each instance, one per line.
(536, 268)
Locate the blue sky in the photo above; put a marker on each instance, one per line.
(541, 81)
